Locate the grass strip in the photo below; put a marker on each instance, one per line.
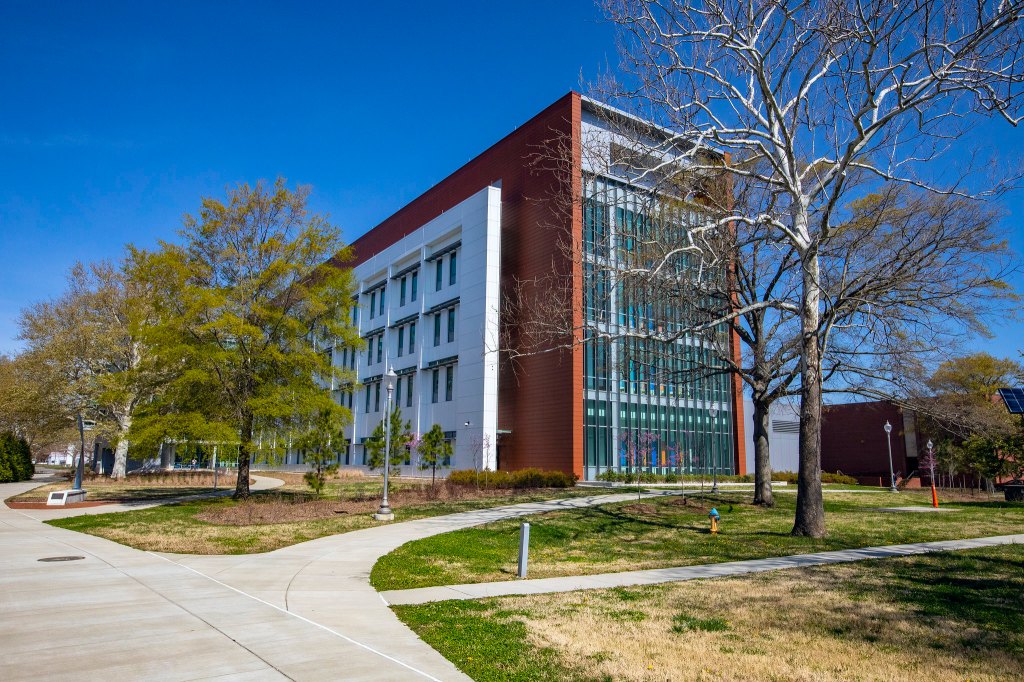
(943, 617)
(673, 532)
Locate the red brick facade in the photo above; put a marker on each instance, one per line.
(853, 441)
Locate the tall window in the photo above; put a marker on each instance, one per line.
(376, 397)
(436, 379)
(451, 269)
(412, 337)
(367, 410)
(449, 381)
(380, 347)
(369, 351)
(381, 311)
(451, 325)
(438, 272)
(401, 292)
(398, 390)
(415, 282)
(437, 329)
(401, 340)
(373, 303)
(408, 390)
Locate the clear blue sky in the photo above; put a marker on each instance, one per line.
(115, 118)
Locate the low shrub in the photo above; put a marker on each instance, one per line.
(523, 478)
(826, 477)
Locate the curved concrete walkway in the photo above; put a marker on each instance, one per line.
(326, 581)
(654, 576)
(305, 612)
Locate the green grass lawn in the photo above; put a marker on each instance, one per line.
(180, 527)
(941, 617)
(667, 532)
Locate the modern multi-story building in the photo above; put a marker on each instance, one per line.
(432, 284)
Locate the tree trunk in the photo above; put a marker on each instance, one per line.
(242, 484)
(121, 452)
(762, 463)
(810, 508)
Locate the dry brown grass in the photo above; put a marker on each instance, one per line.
(792, 625)
(294, 481)
(153, 485)
(192, 538)
(268, 521)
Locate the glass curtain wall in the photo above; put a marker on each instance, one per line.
(656, 400)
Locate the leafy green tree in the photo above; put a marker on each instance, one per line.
(31, 393)
(116, 307)
(321, 441)
(249, 309)
(434, 448)
(400, 437)
(978, 375)
(975, 433)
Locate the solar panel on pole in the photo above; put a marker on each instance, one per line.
(1013, 398)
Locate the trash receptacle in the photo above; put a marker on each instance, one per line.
(1014, 491)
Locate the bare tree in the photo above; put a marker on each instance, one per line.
(808, 96)
(906, 275)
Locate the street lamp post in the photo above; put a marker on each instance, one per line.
(476, 467)
(931, 472)
(888, 440)
(384, 513)
(714, 484)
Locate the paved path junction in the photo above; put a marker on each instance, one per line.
(305, 612)
(424, 595)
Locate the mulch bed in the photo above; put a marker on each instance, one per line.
(281, 509)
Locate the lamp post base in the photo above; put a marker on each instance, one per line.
(384, 514)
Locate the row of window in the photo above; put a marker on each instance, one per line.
(409, 284)
(375, 343)
(624, 230)
(686, 440)
(407, 384)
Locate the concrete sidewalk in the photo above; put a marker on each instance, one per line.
(305, 612)
(327, 580)
(425, 595)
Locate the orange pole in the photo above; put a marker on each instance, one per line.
(935, 498)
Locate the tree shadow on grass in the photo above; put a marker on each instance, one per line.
(973, 597)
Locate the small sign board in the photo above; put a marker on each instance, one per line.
(59, 498)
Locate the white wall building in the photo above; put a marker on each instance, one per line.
(428, 308)
(783, 435)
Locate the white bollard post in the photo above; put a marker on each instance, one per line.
(524, 548)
